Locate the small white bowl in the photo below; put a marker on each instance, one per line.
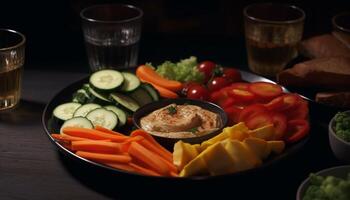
(340, 148)
(340, 172)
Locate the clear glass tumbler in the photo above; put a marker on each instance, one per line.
(272, 33)
(112, 33)
(341, 27)
(12, 49)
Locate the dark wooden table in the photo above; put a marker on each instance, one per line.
(32, 168)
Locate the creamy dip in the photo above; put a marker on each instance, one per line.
(181, 121)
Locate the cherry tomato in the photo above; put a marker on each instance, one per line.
(217, 83)
(207, 68)
(232, 75)
(186, 86)
(198, 92)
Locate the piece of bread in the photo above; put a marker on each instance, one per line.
(338, 99)
(323, 46)
(331, 73)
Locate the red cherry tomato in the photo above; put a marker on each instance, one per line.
(217, 83)
(207, 68)
(232, 75)
(198, 92)
(186, 86)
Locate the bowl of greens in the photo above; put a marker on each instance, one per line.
(329, 184)
(339, 135)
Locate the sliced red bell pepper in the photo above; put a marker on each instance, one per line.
(259, 120)
(279, 121)
(297, 129)
(250, 111)
(265, 90)
(241, 95)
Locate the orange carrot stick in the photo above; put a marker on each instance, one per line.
(149, 75)
(166, 93)
(92, 134)
(149, 158)
(143, 170)
(66, 138)
(96, 146)
(103, 129)
(150, 146)
(122, 166)
(148, 137)
(104, 158)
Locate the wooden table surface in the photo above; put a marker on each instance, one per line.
(32, 168)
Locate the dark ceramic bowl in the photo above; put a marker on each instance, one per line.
(169, 142)
(340, 147)
(340, 172)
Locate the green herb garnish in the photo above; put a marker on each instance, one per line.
(172, 110)
(193, 130)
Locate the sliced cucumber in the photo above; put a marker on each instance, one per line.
(81, 96)
(125, 101)
(120, 113)
(81, 122)
(98, 98)
(131, 82)
(141, 96)
(103, 117)
(105, 81)
(65, 111)
(151, 91)
(83, 110)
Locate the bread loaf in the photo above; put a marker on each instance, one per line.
(338, 99)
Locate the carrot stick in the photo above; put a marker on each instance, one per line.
(166, 93)
(92, 134)
(170, 165)
(143, 170)
(104, 158)
(150, 146)
(148, 137)
(66, 138)
(96, 146)
(103, 129)
(149, 75)
(149, 158)
(122, 166)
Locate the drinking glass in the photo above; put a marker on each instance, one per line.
(112, 33)
(341, 27)
(272, 33)
(12, 47)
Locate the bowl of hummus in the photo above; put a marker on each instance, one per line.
(189, 120)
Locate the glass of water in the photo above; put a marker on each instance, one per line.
(12, 47)
(112, 33)
(272, 33)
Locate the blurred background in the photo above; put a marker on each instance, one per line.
(172, 29)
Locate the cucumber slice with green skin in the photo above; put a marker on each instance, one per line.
(131, 82)
(103, 117)
(81, 96)
(65, 111)
(106, 81)
(122, 116)
(125, 101)
(81, 122)
(98, 98)
(83, 110)
(151, 91)
(141, 96)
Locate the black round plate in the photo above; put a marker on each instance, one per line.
(65, 95)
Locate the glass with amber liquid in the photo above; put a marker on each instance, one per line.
(12, 47)
(272, 33)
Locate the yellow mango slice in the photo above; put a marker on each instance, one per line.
(218, 160)
(183, 154)
(237, 131)
(196, 166)
(266, 132)
(258, 146)
(243, 159)
(276, 146)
